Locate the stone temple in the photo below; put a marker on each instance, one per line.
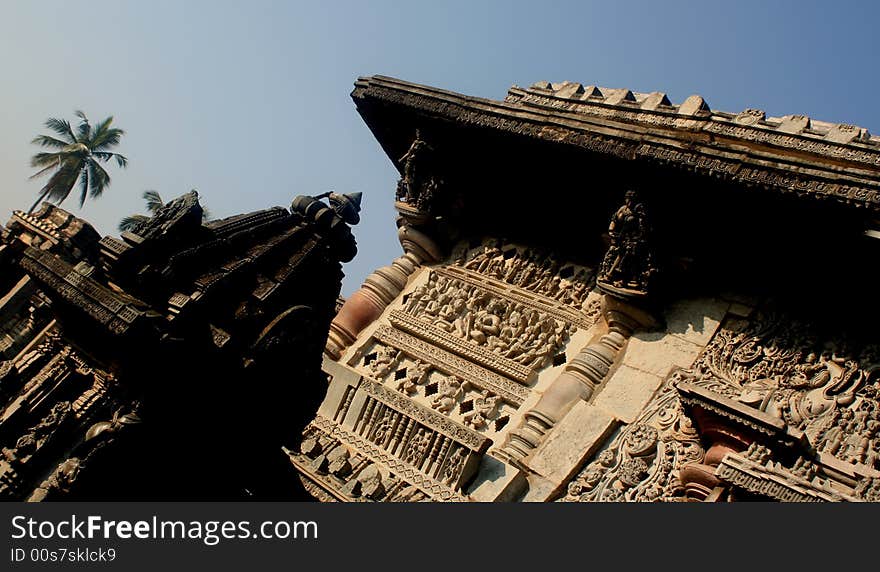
(602, 296)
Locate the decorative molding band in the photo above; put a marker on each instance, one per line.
(98, 302)
(513, 393)
(552, 307)
(427, 417)
(776, 483)
(484, 357)
(404, 471)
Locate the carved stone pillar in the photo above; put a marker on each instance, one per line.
(382, 286)
(368, 303)
(579, 379)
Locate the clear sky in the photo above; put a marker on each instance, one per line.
(248, 102)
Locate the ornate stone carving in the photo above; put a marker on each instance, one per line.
(452, 364)
(419, 184)
(758, 474)
(869, 489)
(628, 266)
(414, 377)
(424, 415)
(384, 363)
(701, 158)
(532, 270)
(60, 481)
(485, 409)
(428, 486)
(826, 388)
(506, 336)
(642, 463)
(36, 436)
(450, 391)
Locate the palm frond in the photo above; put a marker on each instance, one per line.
(100, 180)
(130, 222)
(61, 127)
(47, 141)
(154, 201)
(61, 183)
(43, 159)
(76, 158)
(46, 169)
(84, 129)
(121, 160)
(105, 137)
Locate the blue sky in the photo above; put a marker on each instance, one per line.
(248, 102)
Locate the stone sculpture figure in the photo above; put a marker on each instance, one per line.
(448, 394)
(453, 466)
(386, 359)
(415, 376)
(485, 407)
(417, 187)
(628, 263)
(417, 447)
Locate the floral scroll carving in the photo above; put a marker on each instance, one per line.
(642, 462)
(826, 387)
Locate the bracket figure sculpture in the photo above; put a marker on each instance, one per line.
(417, 187)
(628, 266)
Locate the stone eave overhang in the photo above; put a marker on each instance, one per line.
(785, 156)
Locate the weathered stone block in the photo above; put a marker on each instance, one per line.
(571, 441)
(540, 489)
(497, 482)
(341, 379)
(657, 352)
(627, 392)
(695, 321)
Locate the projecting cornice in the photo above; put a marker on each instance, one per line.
(792, 154)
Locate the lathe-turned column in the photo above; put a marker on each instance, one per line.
(382, 286)
(579, 380)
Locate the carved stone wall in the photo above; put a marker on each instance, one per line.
(475, 339)
(790, 410)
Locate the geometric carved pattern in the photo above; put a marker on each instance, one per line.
(438, 337)
(430, 418)
(769, 480)
(429, 485)
(565, 312)
(452, 364)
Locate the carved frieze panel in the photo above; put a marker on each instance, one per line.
(349, 466)
(468, 403)
(505, 335)
(826, 387)
(527, 269)
(448, 363)
(642, 462)
(756, 472)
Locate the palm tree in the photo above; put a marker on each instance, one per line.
(154, 203)
(76, 156)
